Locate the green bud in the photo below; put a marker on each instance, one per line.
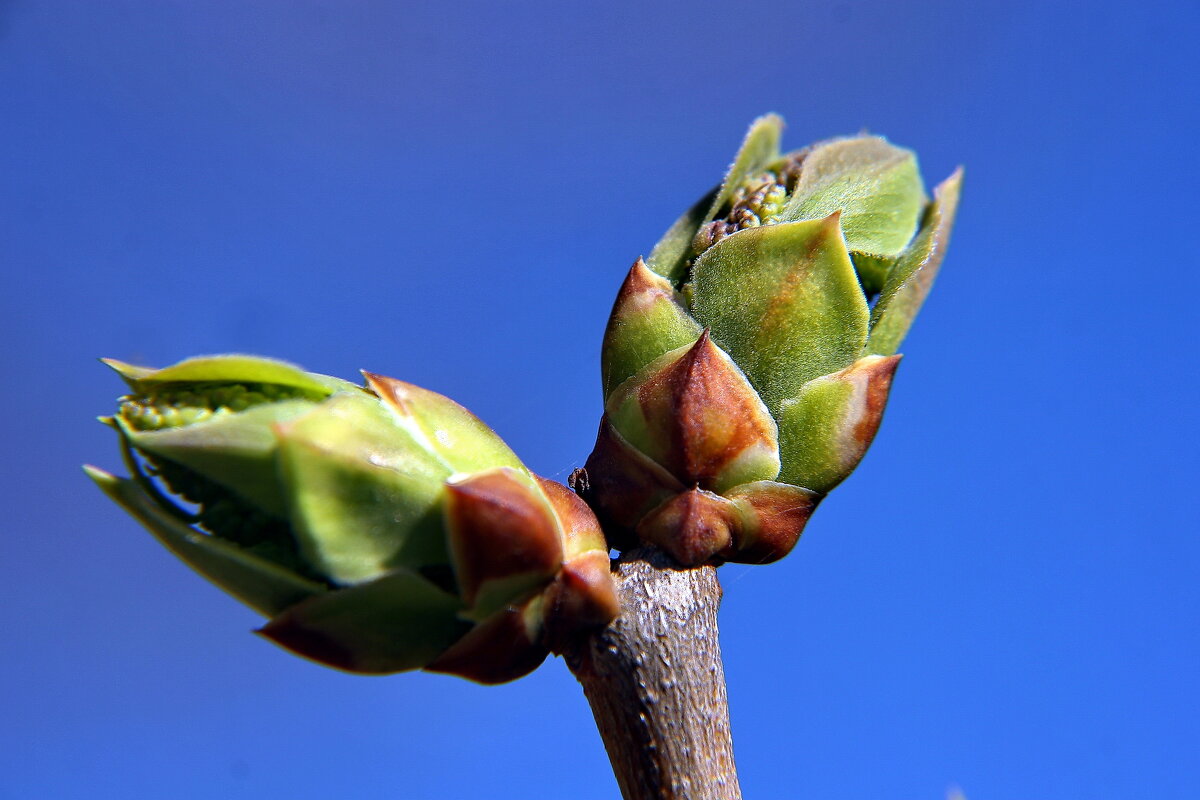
(748, 360)
(670, 257)
(381, 528)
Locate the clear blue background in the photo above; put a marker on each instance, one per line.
(1005, 597)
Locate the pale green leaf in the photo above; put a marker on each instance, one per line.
(875, 185)
(364, 495)
(235, 450)
(911, 279)
(784, 302)
(232, 368)
(263, 585)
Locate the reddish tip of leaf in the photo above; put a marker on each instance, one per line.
(877, 375)
(641, 289)
(309, 643)
(642, 279)
(390, 390)
(774, 516)
(498, 650)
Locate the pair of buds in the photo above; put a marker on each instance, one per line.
(381, 528)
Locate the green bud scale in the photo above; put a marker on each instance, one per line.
(748, 360)
(380, 528)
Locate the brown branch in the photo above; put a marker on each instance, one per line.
(656, 685)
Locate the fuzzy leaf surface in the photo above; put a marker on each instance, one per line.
(875, 185)
(784, 302)
(910, 281)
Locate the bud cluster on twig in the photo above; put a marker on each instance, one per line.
(382, 528)
(748, 359)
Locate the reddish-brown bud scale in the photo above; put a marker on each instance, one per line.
(500, 531)
(500, 649)
(773, 516)
(624, 484)
(710, 414)
(582, 597)
(692, 526)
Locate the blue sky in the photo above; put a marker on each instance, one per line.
(1003, 598)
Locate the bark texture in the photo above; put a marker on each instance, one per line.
(656, 684)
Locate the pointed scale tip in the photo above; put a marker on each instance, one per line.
(129, 373)
(875, 373)
(643, 280)
(640, 282)
(833, 221)
(701, 357)
(945, 194)
(700, 362)
(373, 378)
(103, 478)
(390, 390)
